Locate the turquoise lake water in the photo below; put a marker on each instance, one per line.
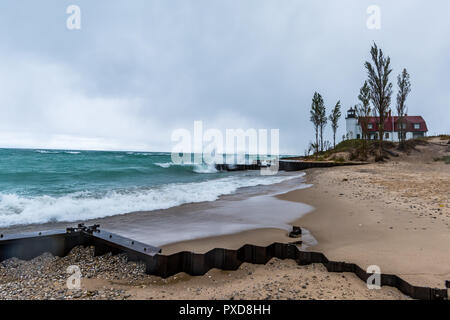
(39, 186)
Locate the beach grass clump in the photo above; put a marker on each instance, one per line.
(358, 149)
(445, 159)
(348, 145)
(320, 158)
(339, 159)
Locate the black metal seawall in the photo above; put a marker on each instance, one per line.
(27, 246)
(60, 242)
(287, 165)
(225, 259)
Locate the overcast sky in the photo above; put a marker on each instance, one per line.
(137, 70)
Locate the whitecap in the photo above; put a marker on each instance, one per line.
(163, 165)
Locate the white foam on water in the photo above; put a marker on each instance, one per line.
(164, 165)
(197, 168)
(140, 153)
(56, 152)
(16, 209)
(46, 152)
(205, 168)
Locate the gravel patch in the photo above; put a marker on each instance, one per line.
(45, 277)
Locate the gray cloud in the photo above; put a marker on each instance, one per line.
(136, 71)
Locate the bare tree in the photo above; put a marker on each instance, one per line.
(311, 147)
(404, 88)
(316, 116)
(326, 145)
(334, 118)
(380, 89)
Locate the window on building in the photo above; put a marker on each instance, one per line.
(416, 125)
(358, 136)
(386, 135)
(370, 126)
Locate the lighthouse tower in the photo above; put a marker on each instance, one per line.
(353, 129)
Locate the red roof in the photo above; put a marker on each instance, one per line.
(411, 124)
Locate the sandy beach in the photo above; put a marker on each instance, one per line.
(370, 217)
(394, 214)
(388, 214)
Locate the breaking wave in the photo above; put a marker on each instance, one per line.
(197, 168)
(16, 209)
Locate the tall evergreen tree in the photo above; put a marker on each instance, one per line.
(316, 116)
(323, 123)
(363, 109)
(404, 88)
(334, 119)
(380, 89)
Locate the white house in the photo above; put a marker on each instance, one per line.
(413, 127)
